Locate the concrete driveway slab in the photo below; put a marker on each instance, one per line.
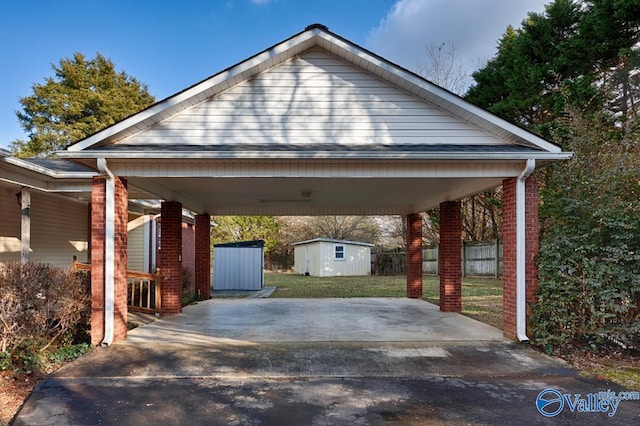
(228, 362)
(314, 320)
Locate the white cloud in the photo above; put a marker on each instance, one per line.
(473, 25)
(259, 2)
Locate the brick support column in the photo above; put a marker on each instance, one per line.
(450, 257)
(414, 256)
(533, 242)
(98, 257)
(203, 255)
(171, 256)
(509, 258)
(510, 249)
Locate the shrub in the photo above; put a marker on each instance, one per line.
(589, 292)
(40, 305)
(190, 298)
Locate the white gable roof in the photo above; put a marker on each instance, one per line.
(314, 125)
(313, 68)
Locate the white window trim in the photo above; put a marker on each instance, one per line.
(335, 252)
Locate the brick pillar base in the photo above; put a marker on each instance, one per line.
(171, 257)
(450, 257)
(203, 256)
(98, 259)
(414, 256)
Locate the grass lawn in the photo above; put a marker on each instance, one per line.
(481, 297)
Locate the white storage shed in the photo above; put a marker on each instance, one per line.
(238, 266)
(325, 257)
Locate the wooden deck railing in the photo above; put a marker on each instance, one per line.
(143, 289)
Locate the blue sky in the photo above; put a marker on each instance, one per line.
(172, 44)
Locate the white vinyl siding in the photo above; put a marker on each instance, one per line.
(314, 99)
(59, 230)
(10, 244)
(321, 261)
(136, 244)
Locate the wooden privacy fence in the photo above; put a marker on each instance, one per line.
(479, 258)
(143, 289)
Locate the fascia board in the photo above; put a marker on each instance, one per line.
(44, 185)
(36, 168)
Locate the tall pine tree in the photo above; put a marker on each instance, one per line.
(83, 97)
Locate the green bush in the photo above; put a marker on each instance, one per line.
(589, 291)
(5, 361)
(190, 298)
(69, 353)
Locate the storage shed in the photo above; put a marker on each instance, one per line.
(325, 257)
(238, 266)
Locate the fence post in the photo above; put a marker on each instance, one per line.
(157, 279)
(497, 258)
(464, 258)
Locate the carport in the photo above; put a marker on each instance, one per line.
(313, 125)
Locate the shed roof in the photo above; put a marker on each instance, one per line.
(252, 243)
(331, 240)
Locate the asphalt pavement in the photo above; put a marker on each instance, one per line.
(321, 362)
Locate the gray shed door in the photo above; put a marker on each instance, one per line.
(238, 268)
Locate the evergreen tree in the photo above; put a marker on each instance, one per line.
(572, 74)
(83, 97)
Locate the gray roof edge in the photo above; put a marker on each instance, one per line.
(48, 170)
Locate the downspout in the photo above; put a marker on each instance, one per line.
(521, 252)
(109, 252)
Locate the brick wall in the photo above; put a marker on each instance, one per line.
(188, 254)
(450, 257)
(170, 261)
(121, 220)
(414, 256)
(509, 258)
(98, 257)
(203, 255)
(510, 253)
(533, 241)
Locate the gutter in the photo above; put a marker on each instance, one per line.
(521, 251)
(109, 252)
(343, 155)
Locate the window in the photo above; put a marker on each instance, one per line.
(338, 252)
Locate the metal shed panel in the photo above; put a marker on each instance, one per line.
(238, 268)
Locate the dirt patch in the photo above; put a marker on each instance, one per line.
(14, 389)
(608, 364)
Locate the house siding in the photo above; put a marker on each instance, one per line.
(53, 240)
(136, 244)
(313, 99)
